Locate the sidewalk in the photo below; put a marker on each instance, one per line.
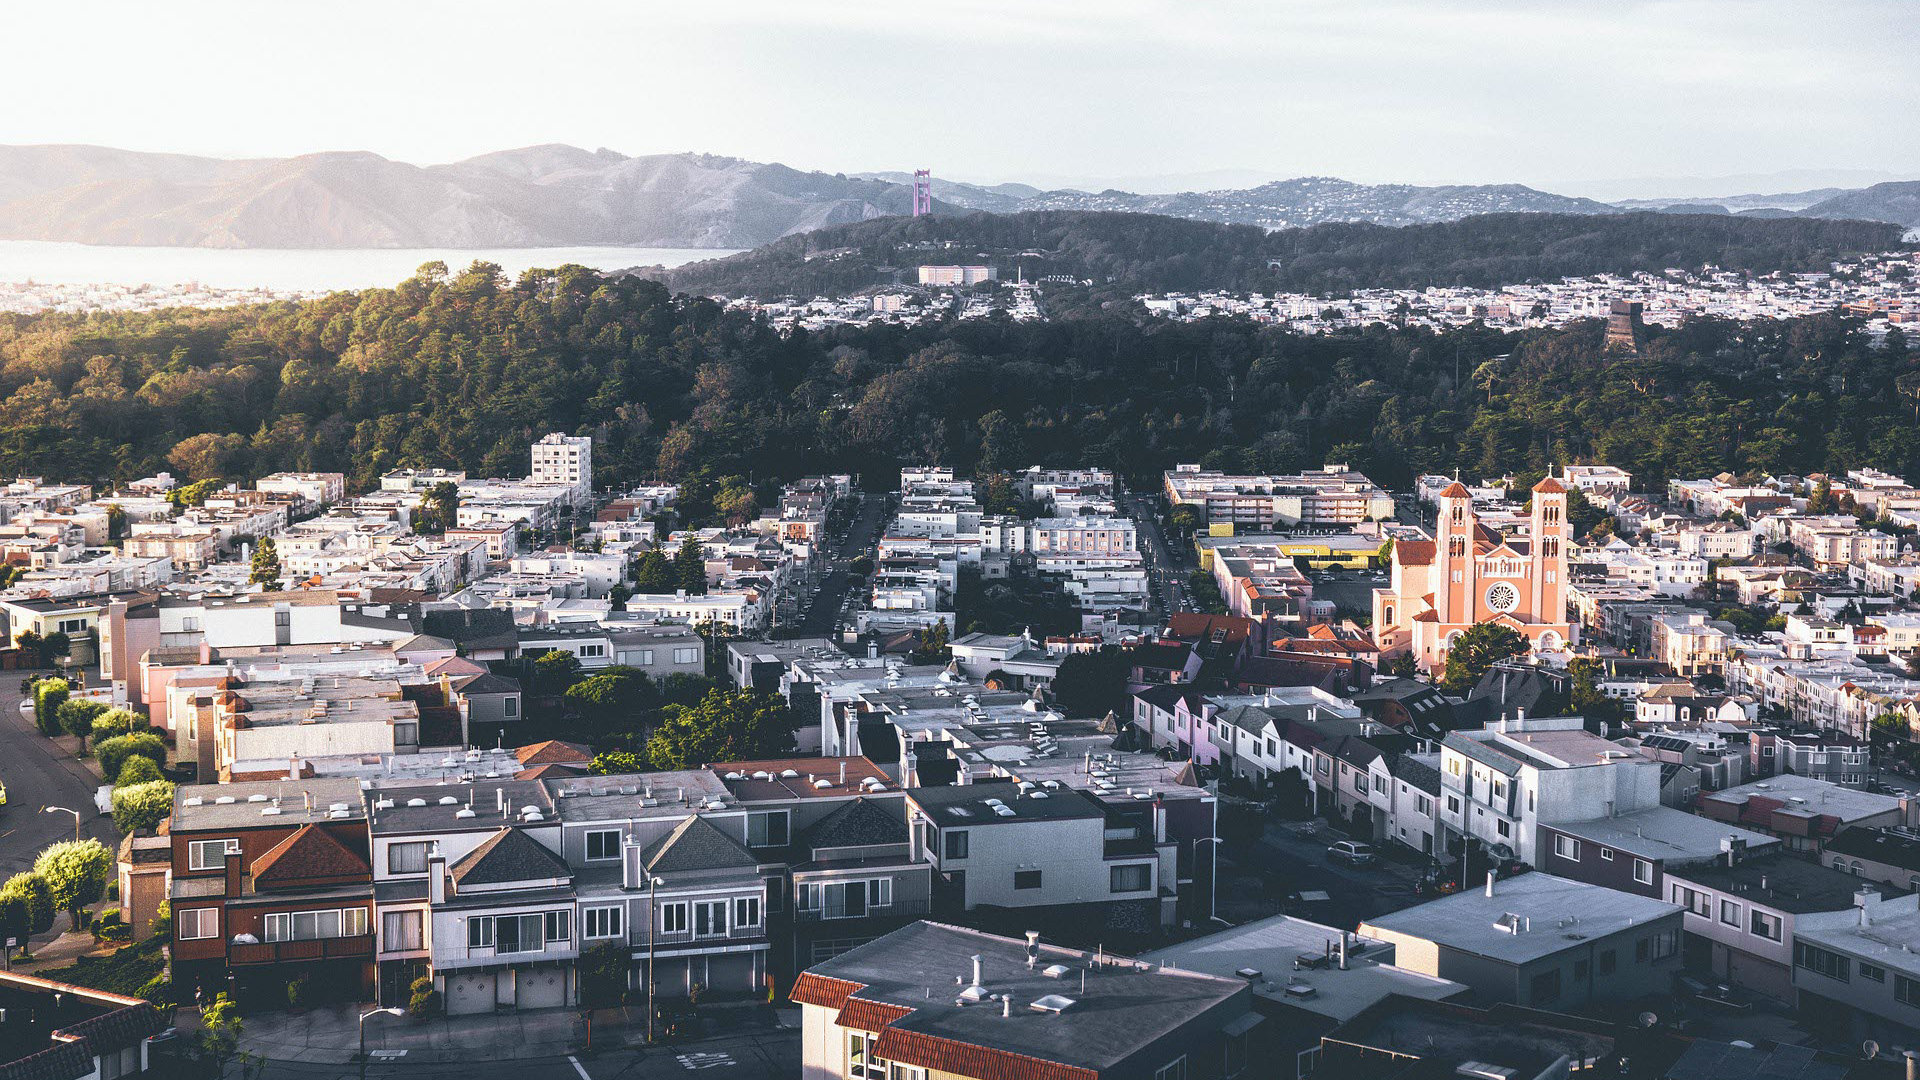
(330, 1034)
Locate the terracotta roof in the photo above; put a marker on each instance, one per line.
(553, 752)
(1549, 486)
(1413, 552)
(979, 1062)
(545, 772)
(310, 853)
(1456, 490)
(862, 1015)
(823, 990)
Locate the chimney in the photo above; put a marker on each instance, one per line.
(293, 767)
(1343, 950)
(436, 877)
(1913, 1065)
(1489, 883)
(1865, 898)
(1006, 1005)
(843, 772)
(976, 970)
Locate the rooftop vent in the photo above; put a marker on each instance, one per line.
(464, 812)
(416, 802)
(448, 800)
(1300, 990)
(269, 811)
(1055, 971)
(1052, 1003)
(222, 800)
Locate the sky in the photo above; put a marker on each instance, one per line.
(1554, 93)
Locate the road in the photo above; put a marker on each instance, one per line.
(1167, 575)
(771, 1056)
(1290, 858)
(37, 774)
(862, 534)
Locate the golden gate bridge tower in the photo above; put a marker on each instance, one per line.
(922, 192)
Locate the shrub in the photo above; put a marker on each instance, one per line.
(37, 895)
(48, 696)
(162, 924)
(115, 751)
(115, 722)
(424, 1000)
(158, 990)
(77, 716)
(141, 806)
(138, 769)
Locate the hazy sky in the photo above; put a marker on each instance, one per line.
(1536, 91)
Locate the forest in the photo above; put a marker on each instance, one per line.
(463, 369)
(1123, 254)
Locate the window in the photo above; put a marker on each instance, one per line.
(1906, 991)
(313, 925)
(1730, 913)
(1607, 962)
(509, 706)
(1545, 987)
(603, 844)
(519, 933)
(710, 918)
(1666, 944)
(673, 918)
(1873, 972)
(1821, 962)
(1566, 847)
(210, 854)
(559, 926)
(604, 922)
(195, 923)
(1643, 871)
(862, 1062)
(407, 858)
(1133, 878)
(686, 656)
(1764, 925)
(117, 1063)
(746, 913)
(767, 829)
(592, 652)
(400, 931)
(479, 933)
(955, 842)
(1506, 831)
(1606, 854)
(1697, 903)
(1172, 1070)
(1453, 804)
(1026, 879)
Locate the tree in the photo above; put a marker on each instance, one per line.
(1889, 729)
(618, 763)
(690, 566)
(32, 889)
(1205, 592)
(137, 769)
(1476, 650)
(1586, 697)
(48, 696)
(653, 573)
(735, 502)
(1003, 445)
(1091, 683)
(1183, 520)
(439, 508)
(77, 716)
(741, 725)
(933, 647)
(603, 974)
(76, 872)
(1822, 501)
(141, 806)
(16, 918)
(266, 565)
(220, 1031)
(114, 753)
(616, 695)
(555, 669)
(861, 566)
(115, 722)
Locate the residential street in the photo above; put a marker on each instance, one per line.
(758, 1056)
(1165, 575)
(1290, 860)
(38, 774)
(862, 534)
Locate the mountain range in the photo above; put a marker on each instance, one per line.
(556, 195)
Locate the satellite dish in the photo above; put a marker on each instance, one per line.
(1648, 1019)
(1870, 1049)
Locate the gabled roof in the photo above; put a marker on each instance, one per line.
(507, 856)
(311, 852)
(553, 752)
(696, 844)
(1456, 490)
(860, 823)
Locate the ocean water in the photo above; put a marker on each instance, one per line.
(50, 262)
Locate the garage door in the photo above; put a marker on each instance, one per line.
(469, 994)
(1758, 976)
(540, 988)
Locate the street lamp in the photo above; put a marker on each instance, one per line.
(64, 810)
(363, 1031)
(1213, 877)
(653, 920)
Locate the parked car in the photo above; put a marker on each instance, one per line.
(1351, 852)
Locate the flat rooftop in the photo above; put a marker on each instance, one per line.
(1289, 959)
(1001, 803)
(1449, 1035)
(199, 807)
(802, 778)
(1118, 1009)
(1782, 882)
(1662, 832)
(1811, 796)
(1555, 913)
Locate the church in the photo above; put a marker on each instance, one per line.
(1470, 574)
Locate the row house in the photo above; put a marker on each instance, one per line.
(1802, 812)
(1831, 756)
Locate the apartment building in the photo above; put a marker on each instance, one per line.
(1802, 812)
(1501, 783)
(1858, 970)
(1331, 496)
(1014, 1010)
(565, 461)
(270, 883)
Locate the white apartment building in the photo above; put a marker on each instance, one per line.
(565, 460)
(1598, 480)
(1501, 783)
(1333, 495)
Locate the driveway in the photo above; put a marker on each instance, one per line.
(37, 773)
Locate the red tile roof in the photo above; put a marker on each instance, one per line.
(553, 752)
(1413, 552)
(965, 1059)
(1456, 490)
(1550, 486)
(822, 990)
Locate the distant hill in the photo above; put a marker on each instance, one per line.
(1125, 252)
(534, 197)
(1898, 202)
(1314, 200)
(555, 195)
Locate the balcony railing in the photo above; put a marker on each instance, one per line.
(273, 952)
(836, 912)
